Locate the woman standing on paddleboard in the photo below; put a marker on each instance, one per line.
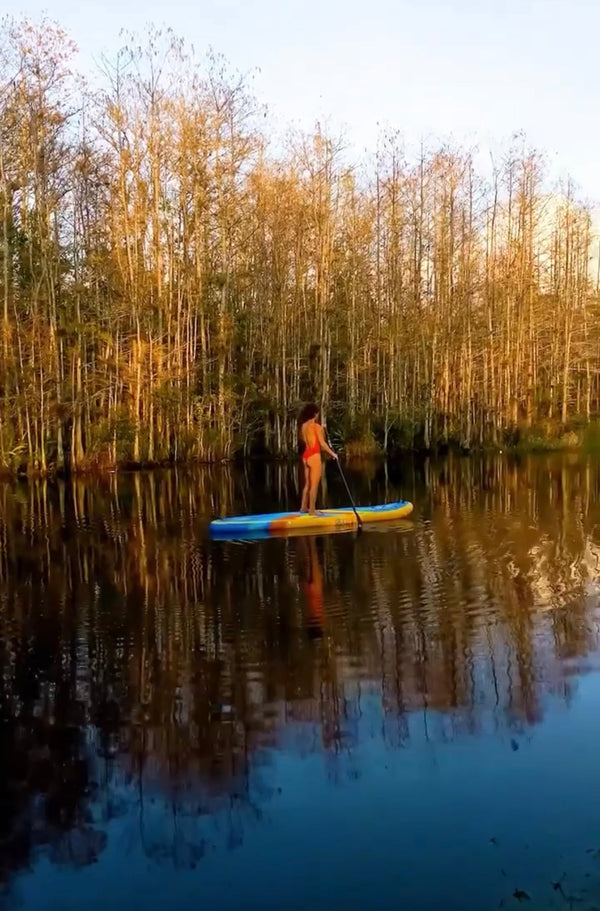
(313, 440)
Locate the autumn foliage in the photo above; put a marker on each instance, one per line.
(173, 284)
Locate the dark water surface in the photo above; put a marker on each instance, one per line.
(409, 718)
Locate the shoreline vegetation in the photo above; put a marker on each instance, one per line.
(356, 453)
(175, 282)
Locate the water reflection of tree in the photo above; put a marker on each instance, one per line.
(146, 672)
(45, 785)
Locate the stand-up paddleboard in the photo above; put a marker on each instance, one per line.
(285, 523)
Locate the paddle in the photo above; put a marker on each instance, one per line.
(347, 488)
(349, 494)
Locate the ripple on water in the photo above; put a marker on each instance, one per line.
(208, 704)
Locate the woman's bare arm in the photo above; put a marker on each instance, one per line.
(323, 442)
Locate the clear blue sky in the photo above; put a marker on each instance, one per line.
(477, 70)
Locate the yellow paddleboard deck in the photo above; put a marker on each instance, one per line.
(273, 524)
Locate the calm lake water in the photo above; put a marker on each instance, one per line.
(407, 718)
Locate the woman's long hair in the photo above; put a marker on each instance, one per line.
(309, 411)
(306, 414)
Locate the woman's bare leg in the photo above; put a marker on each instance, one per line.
(314, 464)
(305, 489)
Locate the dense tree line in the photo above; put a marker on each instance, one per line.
(173, 285)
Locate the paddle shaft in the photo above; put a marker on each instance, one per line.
(358, 519)
(347, 489)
